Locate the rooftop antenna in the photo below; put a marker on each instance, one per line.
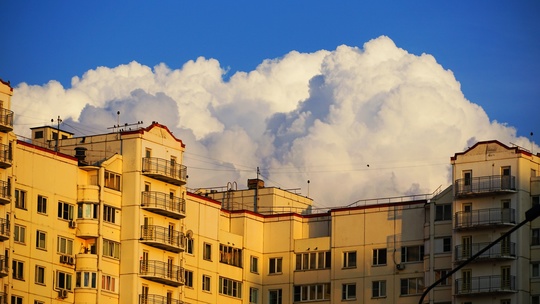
(532, 143)
(58, 120)
(308, 187)
(118, 128)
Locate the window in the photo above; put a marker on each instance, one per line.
(535, 299)
(535, 269)
(275, 296)
(535, 200)
(86, 279)
(443, 212)
(16, 300)
(108, 283)
(38, 134)
(111, 249)
(313, 260)
(188, 276)
(189, 246)
(63, 280)
(506, 301)
(412, 253)
(348, 291)
(42, 204)
(443, 245)
(535, 236)
(207, 251)
(378, 289)
(253, 295)
(379, 257)
(65, 245)
(349, 259)
(19, 234)
(275, 265)
(65, 211)
(112, 180)
(40, 275)
(18, 269)
(314, 292)
(87, 211)
(205, 283)
(20, 199)
(38, 302)
(441, 273)
(230, 287)
(254, 264)
(109, 214)
(41, 240)
(412, 286)
(230, 255)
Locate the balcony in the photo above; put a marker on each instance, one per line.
(6, 156)
(164, 170)
(162, 272)
(157, 299)
(86, 261)
(485, 285)
(163, 238)
(5, 192)
(86, 228)
(3, 298)
(6, 120)
(494, 217)
(499, 251)
(164, 204)
(4, 230)
(484, 185)
(4, 269)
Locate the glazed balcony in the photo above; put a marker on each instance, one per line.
(494, 217)
(485, 185)
(86, 228)
(4, 230)
(162, 272)
(157, 299)
(164, 170)
(5, 192)
(163, 238)
(163, 204)
(4, 269)
(6, 156)
(6, 120)
(497, 252)
(486, 285)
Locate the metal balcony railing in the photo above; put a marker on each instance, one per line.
(157, 299)
(497, 252)
(485, 217)
(6, 120)
(486, 284)
(4, 229)
(164, 170)
(484, 185)
(4, 266)
(163, 238)
(6, 156)
(164, 204)
(3, 298)
(5, 192)
(162, 272)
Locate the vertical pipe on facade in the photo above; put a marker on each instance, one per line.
(431, 245)
(101, 181)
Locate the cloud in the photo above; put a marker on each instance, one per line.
(366, 122)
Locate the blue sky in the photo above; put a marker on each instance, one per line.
(492, 47)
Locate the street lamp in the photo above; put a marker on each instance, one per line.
(530, 215)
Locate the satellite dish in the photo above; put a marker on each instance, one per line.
(189, 234)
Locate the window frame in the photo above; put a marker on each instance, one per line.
(111, 249)
(207, 251)
(112, 180)
(348, 261)
(17, 235)
(188, 278)
(381, 289)
(41, 240)
(443, 212)
(206, 283)
(230, 255)
(406, 255)
(17, 268)
(419, 287)
(275, 296)
(42, 204)
(535, 236)
(254, 264)
(67, 280)
(20, 199)
(66, 211)
(253, 295)
(39, 277)
(62, 241)
(230, 287)
(378, 254)
(275, 265)
(348, 291)
(109, 214)
(109, 283)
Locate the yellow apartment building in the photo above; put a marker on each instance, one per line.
(108, 218)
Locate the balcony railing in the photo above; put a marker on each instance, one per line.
(485, 217)
(6, 120)
(4, 269)
(486, 284)
(4, 229)
(6, 156)
(5, 192)
(484, 185)
(162, 272)
(157, 299)
(164, 204)
(3, 298)
(163, 238)
(500, 251)
(164, 170)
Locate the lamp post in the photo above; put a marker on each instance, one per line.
(530, 215)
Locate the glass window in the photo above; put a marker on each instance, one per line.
(41, 240)
(378, 289)
(40, 275)
(42, 204)
(349, 259)
(111, 249)
(19, 234)
(20, 199)
(379, 256)
(275, 265)
(65, 211)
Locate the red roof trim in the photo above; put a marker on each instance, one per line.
(154, 124)
(23, 143)
(7, 83)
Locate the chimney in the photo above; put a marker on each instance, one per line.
(255, 183)
(80, 154)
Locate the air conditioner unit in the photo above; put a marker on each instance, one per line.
(400, 266)
(64, 259)
(72, 224)
(63, 293)
(71, 260)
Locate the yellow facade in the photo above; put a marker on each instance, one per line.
(108, 219)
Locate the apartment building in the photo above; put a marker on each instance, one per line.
(108, 219)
